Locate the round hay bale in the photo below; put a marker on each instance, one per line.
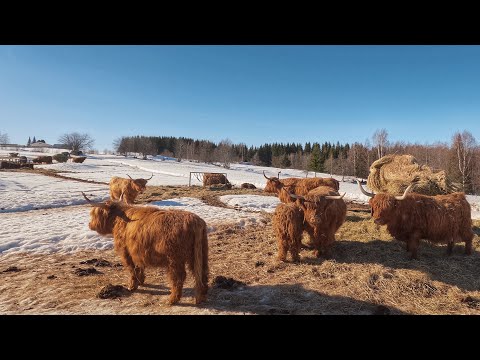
(393, 173)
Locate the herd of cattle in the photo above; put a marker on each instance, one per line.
(150, 236)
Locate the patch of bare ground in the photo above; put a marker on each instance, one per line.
(369, 274)
(56, 174)
(209, 195)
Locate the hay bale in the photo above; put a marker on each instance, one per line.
(393, 173)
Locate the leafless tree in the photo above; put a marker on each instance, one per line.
(225, 153)
(76, 141)
(380, 141)
(4, 138)
(464, 145)
(147, 147)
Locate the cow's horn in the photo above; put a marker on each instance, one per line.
(278, 175)
(294, 196)
(266, 176)
(363, 190)
(407, 190)
(129, 176)
(150, 177)
(335, 197)
(94, 204)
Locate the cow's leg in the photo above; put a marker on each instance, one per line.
(282, 249)
(295, 248)
(468, 245)
(129, 264)
(140, 274)
(450, 247)
(413, 242)
(328, 242)
(176, 276)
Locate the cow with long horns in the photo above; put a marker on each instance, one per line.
(440, 219)
(297, 186)
(149, 236)
(130, 188)
(324, 212)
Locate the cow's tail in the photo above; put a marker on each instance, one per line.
(200, 261)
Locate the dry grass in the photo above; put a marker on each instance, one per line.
(393, 173)
(369, 274)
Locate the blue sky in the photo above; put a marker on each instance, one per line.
(251, 94)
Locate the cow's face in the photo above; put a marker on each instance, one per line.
(315, 208)
(139, 185)
(273, 186)
(382, 208)
(101, 220)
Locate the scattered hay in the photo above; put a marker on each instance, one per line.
(393, 173)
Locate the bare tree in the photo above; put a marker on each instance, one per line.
(225, 153)
(464, 145)
(76, 141)
(380, 141)
(147, 147)
(4, 138)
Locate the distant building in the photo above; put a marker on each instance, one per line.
(60, 146)
(39, 144)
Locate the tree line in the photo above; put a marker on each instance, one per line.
(459, 158)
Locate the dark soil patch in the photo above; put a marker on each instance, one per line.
(86, 272)
(97, 262)
(221, 282)
(112, 292)
(12, 269)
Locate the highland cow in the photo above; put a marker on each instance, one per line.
(215, 179)
(78, 159)
(43, 160)
(324, 213)
(297, 186)
(288, 228)
(147, 236)
(130, 188)
(411, 217)
(247, 186)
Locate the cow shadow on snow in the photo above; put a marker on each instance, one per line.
(457, 269)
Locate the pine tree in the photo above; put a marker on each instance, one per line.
(315, 163)
(29, 142)
(34, 141)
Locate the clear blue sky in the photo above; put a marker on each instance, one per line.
(250, 94)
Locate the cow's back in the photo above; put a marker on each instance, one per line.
(154, 235)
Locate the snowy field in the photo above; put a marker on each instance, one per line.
(44, 214)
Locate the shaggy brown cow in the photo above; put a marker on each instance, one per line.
(324, 213)
(247, 186)
(43, 160)
(288, 228)
(149, 236)
(130, 188)
(297, 186)
(78, 159)
(215, 179)
(411, 217)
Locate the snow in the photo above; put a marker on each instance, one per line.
(251, 202)
(212, 214)
(44, 214)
